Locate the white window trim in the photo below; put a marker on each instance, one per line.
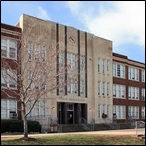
(8, 49)
(117, 108)
(136, 90)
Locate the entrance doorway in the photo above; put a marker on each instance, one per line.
(69, 117)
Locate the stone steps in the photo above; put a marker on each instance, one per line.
(73, 128)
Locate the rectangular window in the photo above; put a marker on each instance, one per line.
(29, 107)
(4, 109)
(82, 87)
(108, 66)
(43, 54)
(37, 81)
(37, 109)
(37, 52)
(98, 87)
(29, 79)
(108, 110)
(119, 110)
(8, 106)
(3, 48)
(133, 74)
(44, 86)
(3, 78)
(12, 78)
(62, 61)
(44, 109)
(98, 65)
(30, 47)
(103, 88)
(61, 84)
(103, 65)
(108, 89)
(12, 49)
(9, 48)
(143, 75)
(118, 70)
(143, 112)
(143, 94)
(119, 91)
(133, 93)
(82, 62)
(103, 109)
(133, 112)
(98, 110)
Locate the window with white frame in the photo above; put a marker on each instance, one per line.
(99, 113)
(3, 47)
(3, 78)
(103, 88)
(104, 108)
(44, 86)
(103, 65)
(108, 89)
(108, 110)
(8, 48)
(61, 59)
(9, 78)
(118, 91)
(118, 70)
(133, 112)
(143, 75)
(4, 113)
(108, 66)
(44, 109)
(37, 109)
(12, 79)
(98, 65)
(133, 74)
(133, 93)
(29, 79)
(61, 83)
(37, 81)
(143, 94)
(43, 54)
(82, 62)
(29, 107)
(12, 49)
(143, 112)
(8, 105)
(120, 111)
(82, 87)
(37, 52)
(30, 48)
(99, 87)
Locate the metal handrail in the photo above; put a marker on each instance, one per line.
(85, 123)
(136, 126)
(56, 123)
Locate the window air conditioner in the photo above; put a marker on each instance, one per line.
(104, 115)
(13, 115)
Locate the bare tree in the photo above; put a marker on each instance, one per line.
(34, 73)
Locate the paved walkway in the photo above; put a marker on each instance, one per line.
(108, 132)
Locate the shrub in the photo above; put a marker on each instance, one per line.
(10, 125)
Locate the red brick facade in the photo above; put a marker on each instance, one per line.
(125, 81)
(14, 33)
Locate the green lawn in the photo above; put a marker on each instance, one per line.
(71, 139)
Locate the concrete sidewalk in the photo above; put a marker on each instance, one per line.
(131, 132)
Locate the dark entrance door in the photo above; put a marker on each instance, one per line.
(69, 117)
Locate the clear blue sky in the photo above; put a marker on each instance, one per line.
(121, 22)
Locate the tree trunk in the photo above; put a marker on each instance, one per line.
(25, 128)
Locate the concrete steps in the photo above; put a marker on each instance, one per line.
(73, 128)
